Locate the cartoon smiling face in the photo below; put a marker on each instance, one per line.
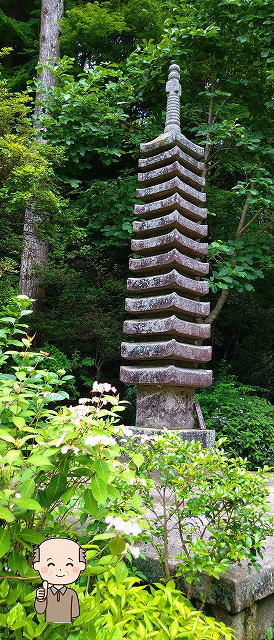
(59, 561)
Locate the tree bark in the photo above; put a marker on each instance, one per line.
(35, 247)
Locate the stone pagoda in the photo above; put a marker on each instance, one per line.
(164, 355)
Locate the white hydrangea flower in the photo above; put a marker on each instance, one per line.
(17, 495)
(122, 526)
(113, 389)
(84, 400)
(65, 449)
(135, 552)
(58, 442)
(127, 431)
(107, 387)
(100, 439)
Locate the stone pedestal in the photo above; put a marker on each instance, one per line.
(161, 406)
(205, 436)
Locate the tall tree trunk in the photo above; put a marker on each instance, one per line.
(35, 247)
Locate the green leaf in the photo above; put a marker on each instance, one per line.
(30, 535)
(99, 490)
(19, 422)
(39, 461)
(117, 545)
(16, 615)
(56, 487)
(121, 571)
(5, 514)
(4, 542)
(27, 488)
(102, 469)
(138, 459)
(27, 503)
(6, 436)
(4, 588)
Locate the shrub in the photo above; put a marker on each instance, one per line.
(61, 476)
(244, 418)
(219, 508)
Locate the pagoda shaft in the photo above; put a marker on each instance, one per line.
(164, 351)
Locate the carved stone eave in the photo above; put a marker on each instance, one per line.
(171, 325)
(173, 220)
(170, 280)
(170, 240)
(171, 139)
(170, 375)
(175, 185)
(170, 171)
(174, 201)
(170, 155)
(167, 302)
(166, 349)
(170, 259)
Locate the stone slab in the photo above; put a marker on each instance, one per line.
(172, 280)
(175, 185)
(167, 302)
(205, 436)
(175, 153)
(170, 221)
(171, 325)
(172, 258)
(170, 240)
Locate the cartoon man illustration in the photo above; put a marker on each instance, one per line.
(59, 562)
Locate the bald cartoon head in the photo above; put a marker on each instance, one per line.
(59, 560)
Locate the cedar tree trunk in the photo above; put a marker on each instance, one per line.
(35, 247)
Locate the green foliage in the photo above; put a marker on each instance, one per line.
(246, 420)
(60, 472)
(220, 509)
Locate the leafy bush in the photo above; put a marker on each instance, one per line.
(245, 419)
(61, 475)
(219, 508)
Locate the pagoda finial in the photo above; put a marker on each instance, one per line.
(173, 89)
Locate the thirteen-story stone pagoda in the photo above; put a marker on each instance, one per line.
(164, 351)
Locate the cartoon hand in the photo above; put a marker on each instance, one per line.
(42, 592)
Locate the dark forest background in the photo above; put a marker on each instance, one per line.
(109, 98)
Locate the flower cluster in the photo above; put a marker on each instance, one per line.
(122, 526)
(103, 387)
(92, 441)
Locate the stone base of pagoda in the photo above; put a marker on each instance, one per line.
(161, 406)
(205, 436)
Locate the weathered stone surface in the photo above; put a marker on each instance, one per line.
(168, 376)
(171, 171)
(169, 140)
(155, 161)
(250, 623)
(171, 325)
(169, 204)
(207, 439)
(165, 189)
(172, 258)
(171, 221)
(173, 90)
(165, 350)
(160, 406)
(171, 280)
(170, 240)
(168, 302)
